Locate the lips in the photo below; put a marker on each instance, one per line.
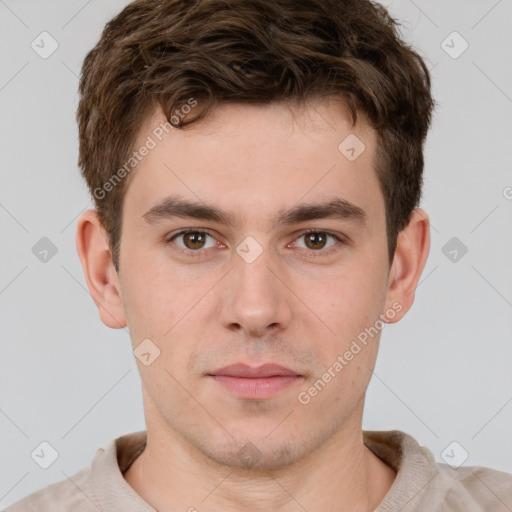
(255, 383)
(261, 372)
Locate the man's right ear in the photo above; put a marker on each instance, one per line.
(100, 274)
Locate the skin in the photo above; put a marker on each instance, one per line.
(296, 306)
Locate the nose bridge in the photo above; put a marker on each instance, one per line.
(253, 298)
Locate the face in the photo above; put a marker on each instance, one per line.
(255, 275)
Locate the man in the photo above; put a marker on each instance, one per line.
(256, 167)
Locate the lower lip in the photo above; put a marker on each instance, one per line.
(257, 389)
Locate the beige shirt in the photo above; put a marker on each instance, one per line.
(421, 484)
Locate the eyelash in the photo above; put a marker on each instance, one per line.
(201, 252)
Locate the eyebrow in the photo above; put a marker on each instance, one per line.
(175, 206)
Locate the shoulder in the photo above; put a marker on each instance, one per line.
(472, 488)
(422, 484)
(70, 494)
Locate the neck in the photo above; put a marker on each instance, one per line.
(341, 475)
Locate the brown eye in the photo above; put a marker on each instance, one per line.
(315, 240)
(192, 240)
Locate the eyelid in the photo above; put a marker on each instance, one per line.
(341, 239)
(203, 231)
(182, 231)
(339, 236)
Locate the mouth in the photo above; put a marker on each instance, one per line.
(256, 383)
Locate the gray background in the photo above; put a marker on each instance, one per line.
(444, 371)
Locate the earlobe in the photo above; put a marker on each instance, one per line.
(100, 275)
(408, 264)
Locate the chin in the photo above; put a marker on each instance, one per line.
(260, 454)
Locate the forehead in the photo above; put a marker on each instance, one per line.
(258, 160)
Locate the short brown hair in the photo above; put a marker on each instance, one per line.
(162, 53)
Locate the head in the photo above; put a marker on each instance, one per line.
(273, 118)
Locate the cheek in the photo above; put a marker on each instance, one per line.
(351, 299)
(149, 298)
(349, 302)
(162, 305)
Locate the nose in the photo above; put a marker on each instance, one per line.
(253, 299)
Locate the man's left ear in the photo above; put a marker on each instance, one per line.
(408, 263)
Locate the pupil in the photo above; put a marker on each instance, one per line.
(315, 238)
(196, 240)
